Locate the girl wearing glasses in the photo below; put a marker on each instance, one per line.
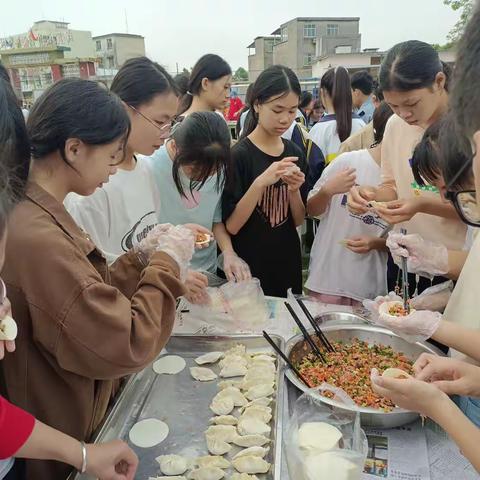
(415, 84)
(82, 324)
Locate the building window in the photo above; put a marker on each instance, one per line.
(332, 29)
(308, 59)
(111, 63)
(98, 45)
(269, 46)
(310, 30)
(110, 43)
(284, 34)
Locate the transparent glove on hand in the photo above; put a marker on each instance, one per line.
(424, 258)
(148, 245)
(234, 267)
(416, 327)
(373, 305)
(179, 243)
(434, 298)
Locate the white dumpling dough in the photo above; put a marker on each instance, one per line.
(223, 384)
(259, 391)
(233, 370)
(148, 433)
(207, 473)
(226, 433)
(212, 461)
(318, 437)
(210, 357)
(243, 476)
(251, 440)
(260, 412)
(237, 350)
(202, 374)
(265, 401)
(233, 359)
(252, 426)
(235, 394)
(330, 465)
(262, 364)
(222, 405)
(263, 357)
(253, 451)
(251, 464)
(172, 464)
(169, 365)
(224, 420)
(8, 328)
(217, 447)
(168, 477)
(396, 373)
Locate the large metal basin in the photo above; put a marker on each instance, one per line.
(296, 348)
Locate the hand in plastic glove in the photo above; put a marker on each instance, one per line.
(411, 394)
(196, 284)
(178, 243)
(424, 257)
(234, 267)
(196, 229)
(7, 345)
(416, 327)
(449, 375)
(434, 298)
(373, 305)
(148, 245)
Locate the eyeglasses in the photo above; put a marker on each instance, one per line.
(465, 203)
(164, 129)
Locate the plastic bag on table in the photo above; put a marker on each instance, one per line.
(338, 453)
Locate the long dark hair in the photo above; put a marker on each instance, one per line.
(75, 108)
(380, 118)
(202, 142)
(139, 80)
(247, 106)
(274, 82)
(209, 66)
(336, 82)
(411, 65)
(14, 152)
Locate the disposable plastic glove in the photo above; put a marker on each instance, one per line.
(234, 267)
(424, 258)
(373, 305)
(148, 245)
(179, 243)
(434, 298)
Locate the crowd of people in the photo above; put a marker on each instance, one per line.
(104, 193)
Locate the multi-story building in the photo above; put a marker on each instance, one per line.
(114, 49)
(299, 42)
(47, 52)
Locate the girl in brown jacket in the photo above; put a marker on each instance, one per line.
(82, 325)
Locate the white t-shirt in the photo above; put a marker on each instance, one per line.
(335, 270)
(119, 215)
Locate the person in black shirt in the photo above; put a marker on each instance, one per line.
(265, 202)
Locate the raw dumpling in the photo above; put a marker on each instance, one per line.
(235, 394)
(233, 370)
(243, 476)
(222, 405)
(207, 473)
(259, 391)
(236, 350)
(265, 401)
(253, 451)
(169, 365)
(212, 461)
(202, 374)
(330, 465)
(224, 420)
(251, 440)
(262, 364)
(263, 357)
(223, 384)
(264, 414)
(168, 477)
(217, 447)
(8, 328)
(210, 357)
(172, 464)
(226, 433)
(252, 464)
(260, 375)
(236, 359)
(317, 437)
(253, 382)
(252, 426)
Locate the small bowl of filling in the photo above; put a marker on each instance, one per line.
(394, 309)
(202, 239)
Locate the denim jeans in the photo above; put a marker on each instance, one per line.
(470, 407)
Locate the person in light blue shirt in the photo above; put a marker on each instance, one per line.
(362, 88)
(190, 171)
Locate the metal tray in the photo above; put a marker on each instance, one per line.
(183, 404)
(371, 334)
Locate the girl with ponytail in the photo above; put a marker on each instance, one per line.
(336, 125)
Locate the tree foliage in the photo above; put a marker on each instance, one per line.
(466, 9)
(240, 75)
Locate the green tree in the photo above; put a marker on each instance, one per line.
(466, 9)
(241, 75)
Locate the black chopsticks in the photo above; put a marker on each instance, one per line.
(320, 335)
(306, 335)
(405, 286)
(285, 358)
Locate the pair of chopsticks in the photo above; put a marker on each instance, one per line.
(405, 292)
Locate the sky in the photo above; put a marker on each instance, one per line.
(181, 31)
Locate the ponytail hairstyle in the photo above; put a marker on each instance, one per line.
(380, 118)
(336, 83)
(139, 80)
(411, 65)
(14, 151)
(202, 143)
(305, 100)
(274, 82)
(75, 108)
(209, 66)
